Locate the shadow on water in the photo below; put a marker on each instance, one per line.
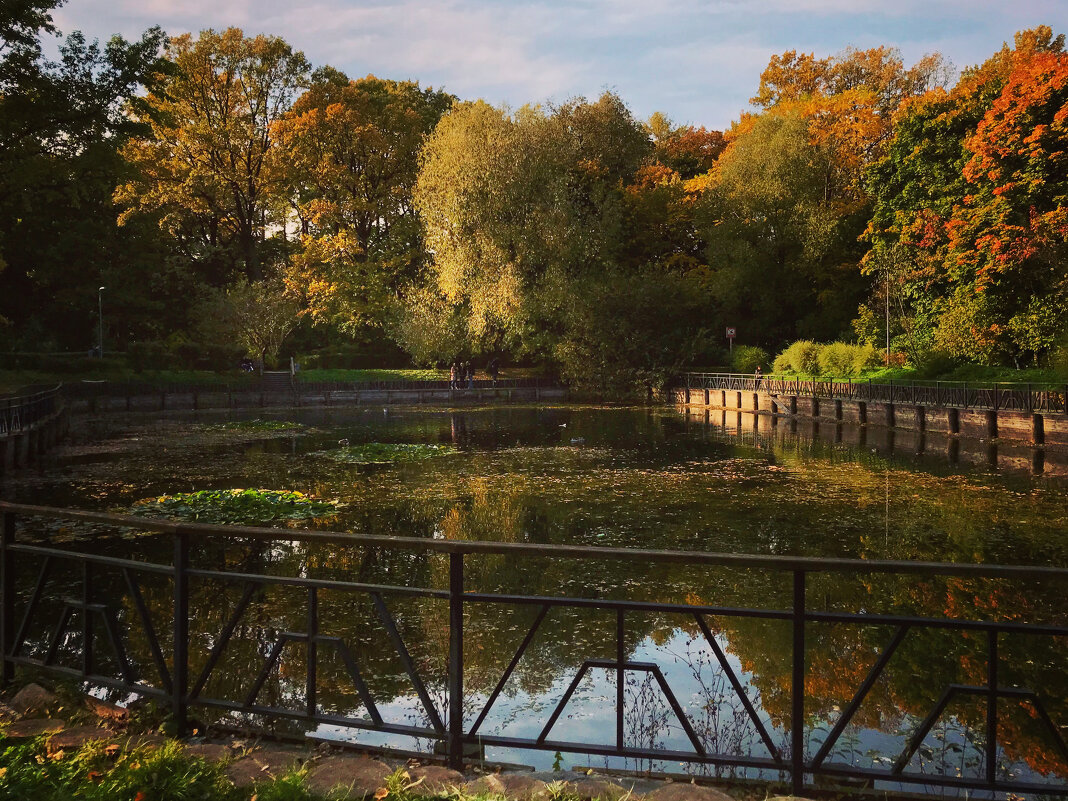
(621, 477)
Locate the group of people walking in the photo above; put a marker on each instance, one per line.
(463, 373)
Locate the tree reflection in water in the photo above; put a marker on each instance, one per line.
(646, 479)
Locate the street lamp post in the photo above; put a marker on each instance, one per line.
(100, 307)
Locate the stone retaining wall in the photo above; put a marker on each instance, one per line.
(910, 443)
(1036, 429)
(25, 447)
(244, 399)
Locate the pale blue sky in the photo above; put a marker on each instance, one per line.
(697, 61)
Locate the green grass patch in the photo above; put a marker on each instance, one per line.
(385, 453)
(235, 506)
(357, 376)
(161, 774)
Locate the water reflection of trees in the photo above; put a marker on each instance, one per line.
(644, 481)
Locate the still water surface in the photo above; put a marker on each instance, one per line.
(619, 477)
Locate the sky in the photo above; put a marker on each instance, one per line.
(697, 61)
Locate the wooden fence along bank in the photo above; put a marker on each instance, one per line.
(1014, 412)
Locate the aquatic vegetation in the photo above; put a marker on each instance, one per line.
(234, 506)
(255, 426)
(385, 452)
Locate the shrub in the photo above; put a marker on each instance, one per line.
(782, 363)
(801, 357)
(746, 358)
(866, 357)
(837, 359)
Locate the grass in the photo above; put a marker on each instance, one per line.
(99, 773)
(102, 772)
(235, 506)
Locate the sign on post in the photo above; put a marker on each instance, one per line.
(732, 332)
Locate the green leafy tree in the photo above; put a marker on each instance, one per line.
(61, 125)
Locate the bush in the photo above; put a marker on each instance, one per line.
(837, 359)
(800, 357)
(866, 357)
(746, 358)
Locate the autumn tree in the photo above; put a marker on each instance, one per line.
(971, 193)
(208, 171)
(352, 156)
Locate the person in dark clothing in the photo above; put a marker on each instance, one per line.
(493, 368)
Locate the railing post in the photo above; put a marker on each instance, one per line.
(992, 707)
(456, 661)
(180, 669)
(797, 690)
(620, 661)
(311, 702)
(7, 601)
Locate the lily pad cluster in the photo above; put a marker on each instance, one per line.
(385, 453)
(235, 506)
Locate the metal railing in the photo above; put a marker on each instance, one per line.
(960, 394)
(182, 690)
(19, 412)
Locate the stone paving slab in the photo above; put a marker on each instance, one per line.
(263, 764)
(680, 791)
(354, 777)
(434, 780)
(77, 736)
(33, 727)
(515, 786)
(209, 752)
(33, 698)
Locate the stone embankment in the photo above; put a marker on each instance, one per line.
(1033, 428)
(327, 769)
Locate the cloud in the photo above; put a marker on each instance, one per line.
(696, 60)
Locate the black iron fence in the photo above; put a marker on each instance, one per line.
(960, 394)
(19, 412)
(23, 557)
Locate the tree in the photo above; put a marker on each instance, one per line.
(352, 152)
(61, 125)
(258, 314)
(208, 172)
(517, 207)
(782, 256)
(971, 193)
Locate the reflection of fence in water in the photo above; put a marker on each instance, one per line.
(181, 677)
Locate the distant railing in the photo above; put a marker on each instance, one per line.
(960, 394)
(19, 412)
(108, 590)
(251, 391)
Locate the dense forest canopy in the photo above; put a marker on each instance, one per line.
(225, 190)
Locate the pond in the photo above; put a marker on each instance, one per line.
(648, 478)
